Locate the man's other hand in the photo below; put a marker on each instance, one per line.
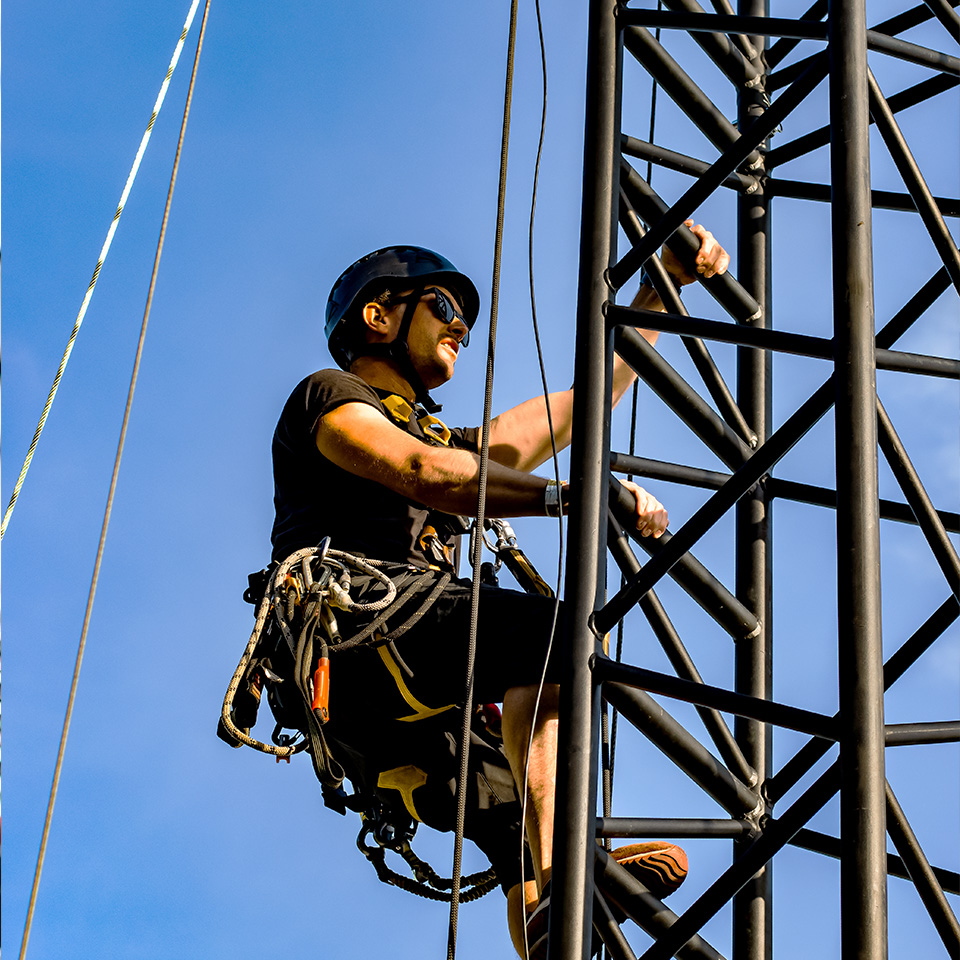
(652, 518)
(711, 258)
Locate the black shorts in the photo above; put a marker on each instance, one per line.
(397, 708)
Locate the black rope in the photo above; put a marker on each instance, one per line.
(481, 497)
(553, 445)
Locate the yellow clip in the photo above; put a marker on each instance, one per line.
(397, 407)
(436, 429)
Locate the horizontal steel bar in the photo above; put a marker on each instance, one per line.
(776, 487)
(669, 472)
(766, 711)
(828, 846)
(627, 827)
(912, 734)
(676, 742)
(671, 160)
(722, 23)
(780, 341)
(633, 899)
(744, 336)
(901, 362)
(882, 199)
(825, 497)
(690, 574)
(913, 53)
(909, 97)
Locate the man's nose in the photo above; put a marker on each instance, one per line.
(460, 330)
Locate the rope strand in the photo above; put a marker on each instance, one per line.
(109, 507)
(104, 250)
(481, 495)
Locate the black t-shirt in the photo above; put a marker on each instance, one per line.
(314, 498)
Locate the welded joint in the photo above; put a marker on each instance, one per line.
(757, 817)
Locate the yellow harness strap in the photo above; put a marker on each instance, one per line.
(401, 410)
(422, 711)
(404, 779)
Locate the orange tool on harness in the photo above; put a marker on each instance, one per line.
(321, 690)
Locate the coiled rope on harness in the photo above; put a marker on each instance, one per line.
(310, 574)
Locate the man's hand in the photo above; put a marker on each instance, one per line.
(711, 258)
(651, 516)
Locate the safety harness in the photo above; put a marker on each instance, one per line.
(296, 634)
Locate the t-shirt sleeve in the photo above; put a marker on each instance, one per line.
(323, 392)
(465, 438)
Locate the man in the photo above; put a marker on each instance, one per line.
(359, 458)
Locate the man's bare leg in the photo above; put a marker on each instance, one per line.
(541, 776)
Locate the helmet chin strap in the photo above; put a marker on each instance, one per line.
(399, 351)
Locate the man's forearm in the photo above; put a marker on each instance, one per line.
(448, 480)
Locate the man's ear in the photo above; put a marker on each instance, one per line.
(375, 319)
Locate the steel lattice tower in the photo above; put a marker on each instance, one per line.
(773, 67)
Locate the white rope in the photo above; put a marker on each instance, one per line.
(144, 140)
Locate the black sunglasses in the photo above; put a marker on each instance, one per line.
(447, 312)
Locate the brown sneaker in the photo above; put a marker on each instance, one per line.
(660, 866)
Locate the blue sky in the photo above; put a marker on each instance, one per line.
(320, 132)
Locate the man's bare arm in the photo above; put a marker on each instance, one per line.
(360, 440)
(520, 438)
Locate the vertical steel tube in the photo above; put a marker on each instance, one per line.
(753, 905)
(574, 826)
(863, 890)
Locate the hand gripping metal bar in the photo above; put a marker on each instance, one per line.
(689, 573)
(724, 288)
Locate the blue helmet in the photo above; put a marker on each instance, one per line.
(376, 270)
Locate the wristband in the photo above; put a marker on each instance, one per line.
(553, 498)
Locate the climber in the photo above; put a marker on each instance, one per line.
(360, 457)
